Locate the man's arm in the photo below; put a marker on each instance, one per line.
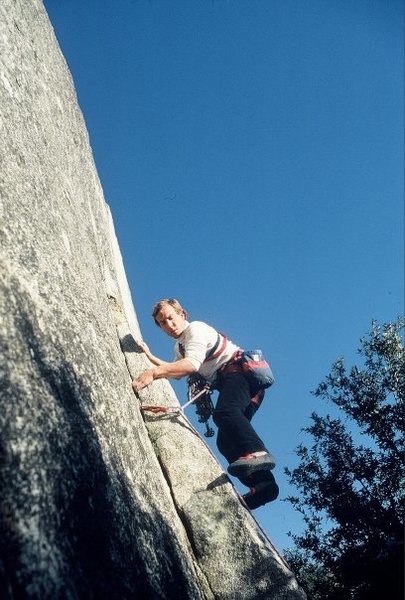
(177, 369)
(153, 359)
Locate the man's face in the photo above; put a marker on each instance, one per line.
(170, 321)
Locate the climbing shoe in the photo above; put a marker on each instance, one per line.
(248, 464)
(260, 494)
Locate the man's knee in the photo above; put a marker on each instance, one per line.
(221, 416)
(226, 415)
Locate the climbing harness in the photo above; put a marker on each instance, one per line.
(253, 365)
(199, 392)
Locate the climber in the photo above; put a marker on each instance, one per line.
(247, 455)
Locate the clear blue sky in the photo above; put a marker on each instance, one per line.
(252, 153)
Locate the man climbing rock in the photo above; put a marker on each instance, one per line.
(200, 349)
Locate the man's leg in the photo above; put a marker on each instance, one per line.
(237, 440)
(263, 488)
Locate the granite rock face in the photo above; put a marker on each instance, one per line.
(96, 499)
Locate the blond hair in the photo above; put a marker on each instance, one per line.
(175, 304)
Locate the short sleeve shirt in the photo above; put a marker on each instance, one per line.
(196, 341)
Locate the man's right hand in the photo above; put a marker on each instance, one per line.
(143, 380)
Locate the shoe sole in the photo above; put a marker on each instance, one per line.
(246, 468)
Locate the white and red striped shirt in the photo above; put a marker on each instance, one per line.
(195, 343)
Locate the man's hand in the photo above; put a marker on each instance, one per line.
(177, 369)
(143, 380)
(143, 346)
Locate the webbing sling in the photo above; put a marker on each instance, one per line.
(216, 350)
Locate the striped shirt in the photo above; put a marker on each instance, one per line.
(196, 341)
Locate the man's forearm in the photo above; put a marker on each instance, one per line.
(179, 368)
(156, 361)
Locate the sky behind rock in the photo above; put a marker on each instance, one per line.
(252, 156)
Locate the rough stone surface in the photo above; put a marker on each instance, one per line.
(231, 549)
(94, 502)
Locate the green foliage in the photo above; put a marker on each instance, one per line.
(318, 581)
(351, 495)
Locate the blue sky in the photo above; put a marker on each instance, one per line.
(252, 155)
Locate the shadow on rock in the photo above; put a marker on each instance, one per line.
(128, 344)
(70, 526)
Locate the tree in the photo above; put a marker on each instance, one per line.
(351, 494)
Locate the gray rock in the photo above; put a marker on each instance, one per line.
(97, 500)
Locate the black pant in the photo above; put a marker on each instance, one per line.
(232, 415)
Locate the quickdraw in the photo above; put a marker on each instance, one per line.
(199, 392)
(161, 409)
